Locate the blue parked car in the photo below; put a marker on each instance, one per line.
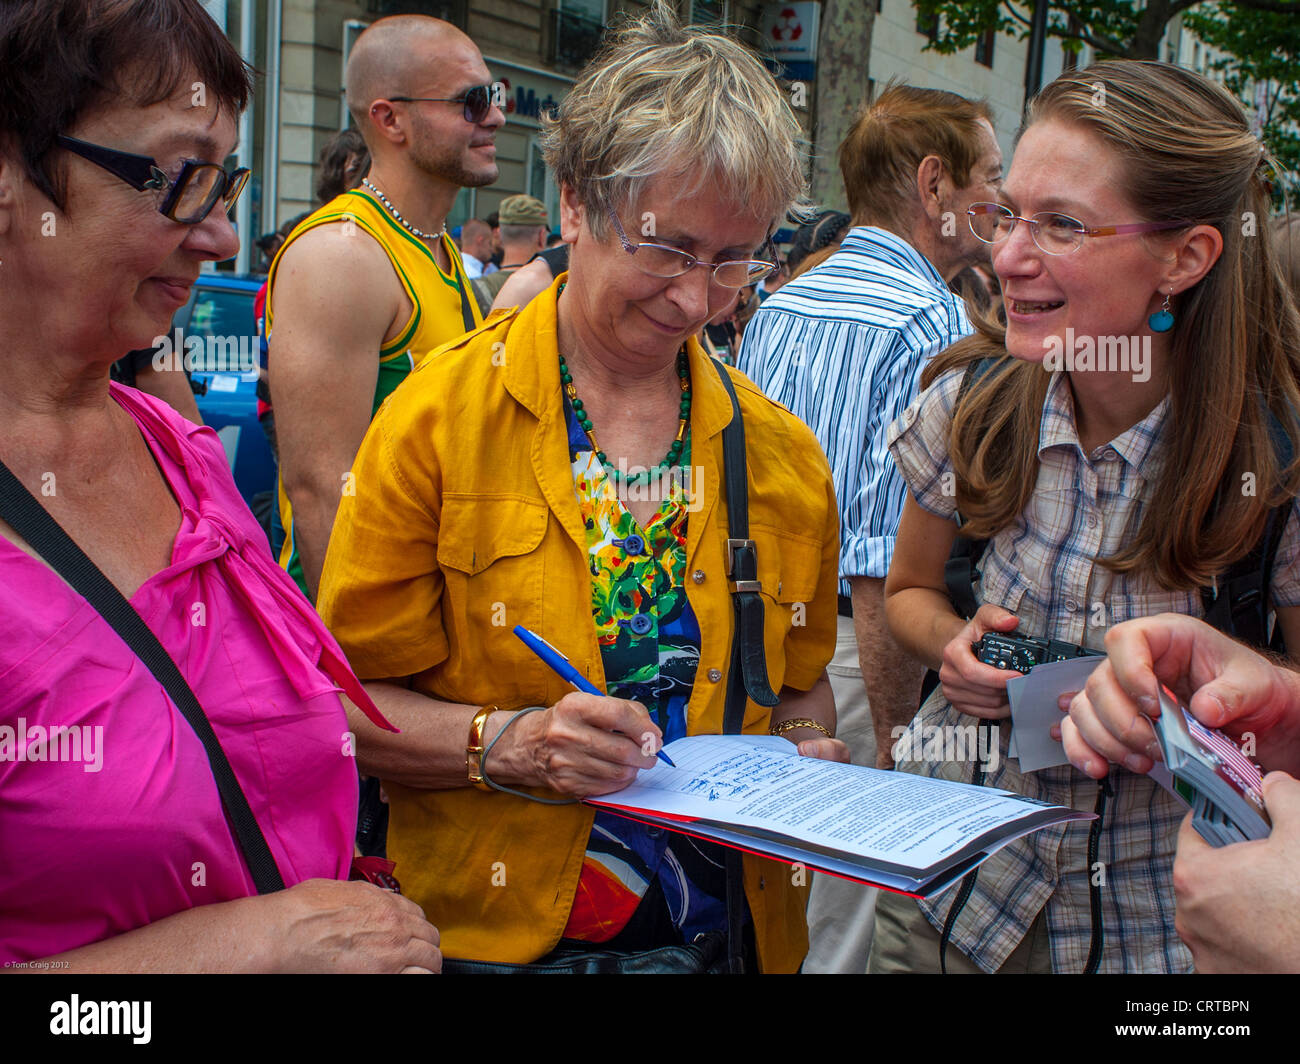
(220, 313)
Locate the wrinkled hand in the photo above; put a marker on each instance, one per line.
(587, 745)
(971, 686)
(825, 750)
(1224, 684)
(1239, 906)
(324, 925)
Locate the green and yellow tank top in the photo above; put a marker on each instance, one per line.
(438, 298)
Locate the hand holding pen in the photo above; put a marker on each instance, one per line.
(565, 670)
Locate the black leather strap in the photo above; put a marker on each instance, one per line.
(1239, 607)
(960, 572)
(747, 673)
(31, 521)
(466, 311)
(750, 678)
(1098, 944)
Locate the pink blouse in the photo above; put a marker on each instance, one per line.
(109, 814)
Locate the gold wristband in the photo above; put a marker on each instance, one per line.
(474, 750)
(799, 722)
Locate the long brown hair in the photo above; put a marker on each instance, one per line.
(1234, 361)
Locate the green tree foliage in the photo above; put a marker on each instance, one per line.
(1263, 69)
(1261, 37)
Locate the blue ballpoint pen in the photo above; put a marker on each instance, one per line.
(565, 670)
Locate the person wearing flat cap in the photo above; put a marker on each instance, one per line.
(524, 226)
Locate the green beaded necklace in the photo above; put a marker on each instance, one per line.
(678, 444)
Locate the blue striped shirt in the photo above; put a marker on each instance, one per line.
(843, 346)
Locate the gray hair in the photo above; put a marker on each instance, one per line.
(663, 100)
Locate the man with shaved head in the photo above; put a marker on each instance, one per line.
(476, 247)
(370, 283)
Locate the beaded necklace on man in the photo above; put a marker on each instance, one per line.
(388, 205)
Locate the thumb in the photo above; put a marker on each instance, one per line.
(1282, 798)
(1217, 703)
(996, 619)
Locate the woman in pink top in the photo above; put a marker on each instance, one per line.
(115, 852)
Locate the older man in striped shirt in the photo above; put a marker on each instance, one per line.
(843, 346)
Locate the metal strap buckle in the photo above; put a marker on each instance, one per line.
(734, 545)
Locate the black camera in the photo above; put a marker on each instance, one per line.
(1021, 654)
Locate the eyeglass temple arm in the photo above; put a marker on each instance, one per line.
(138, 171)
(1132, 227)
(628, 246)
(776, 255)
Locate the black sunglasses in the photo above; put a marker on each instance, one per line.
(477, 101)
(190, 198)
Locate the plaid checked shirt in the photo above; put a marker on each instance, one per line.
(1044, 569)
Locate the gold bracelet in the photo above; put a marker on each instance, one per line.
(474, 750)
(799, 722)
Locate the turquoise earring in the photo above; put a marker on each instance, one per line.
(1162, 320)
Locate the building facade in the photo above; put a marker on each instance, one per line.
(535, 49)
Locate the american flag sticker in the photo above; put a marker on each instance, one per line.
(1229, 763)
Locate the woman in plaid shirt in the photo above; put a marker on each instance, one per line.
(1117, 450)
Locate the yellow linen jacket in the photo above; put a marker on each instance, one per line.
(464, 523)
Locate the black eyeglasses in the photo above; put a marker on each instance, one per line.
(190, 198)
(660, 260)
(477, 101)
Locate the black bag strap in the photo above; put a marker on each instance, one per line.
(466, 311)
(1239, 607)
(31, 521)
(1238, 604)
(747, 674)
(961, 570)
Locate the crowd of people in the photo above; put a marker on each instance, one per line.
(332, 754)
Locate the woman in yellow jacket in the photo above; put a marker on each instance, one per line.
(481, 500)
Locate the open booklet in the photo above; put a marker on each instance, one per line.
(910, 834)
